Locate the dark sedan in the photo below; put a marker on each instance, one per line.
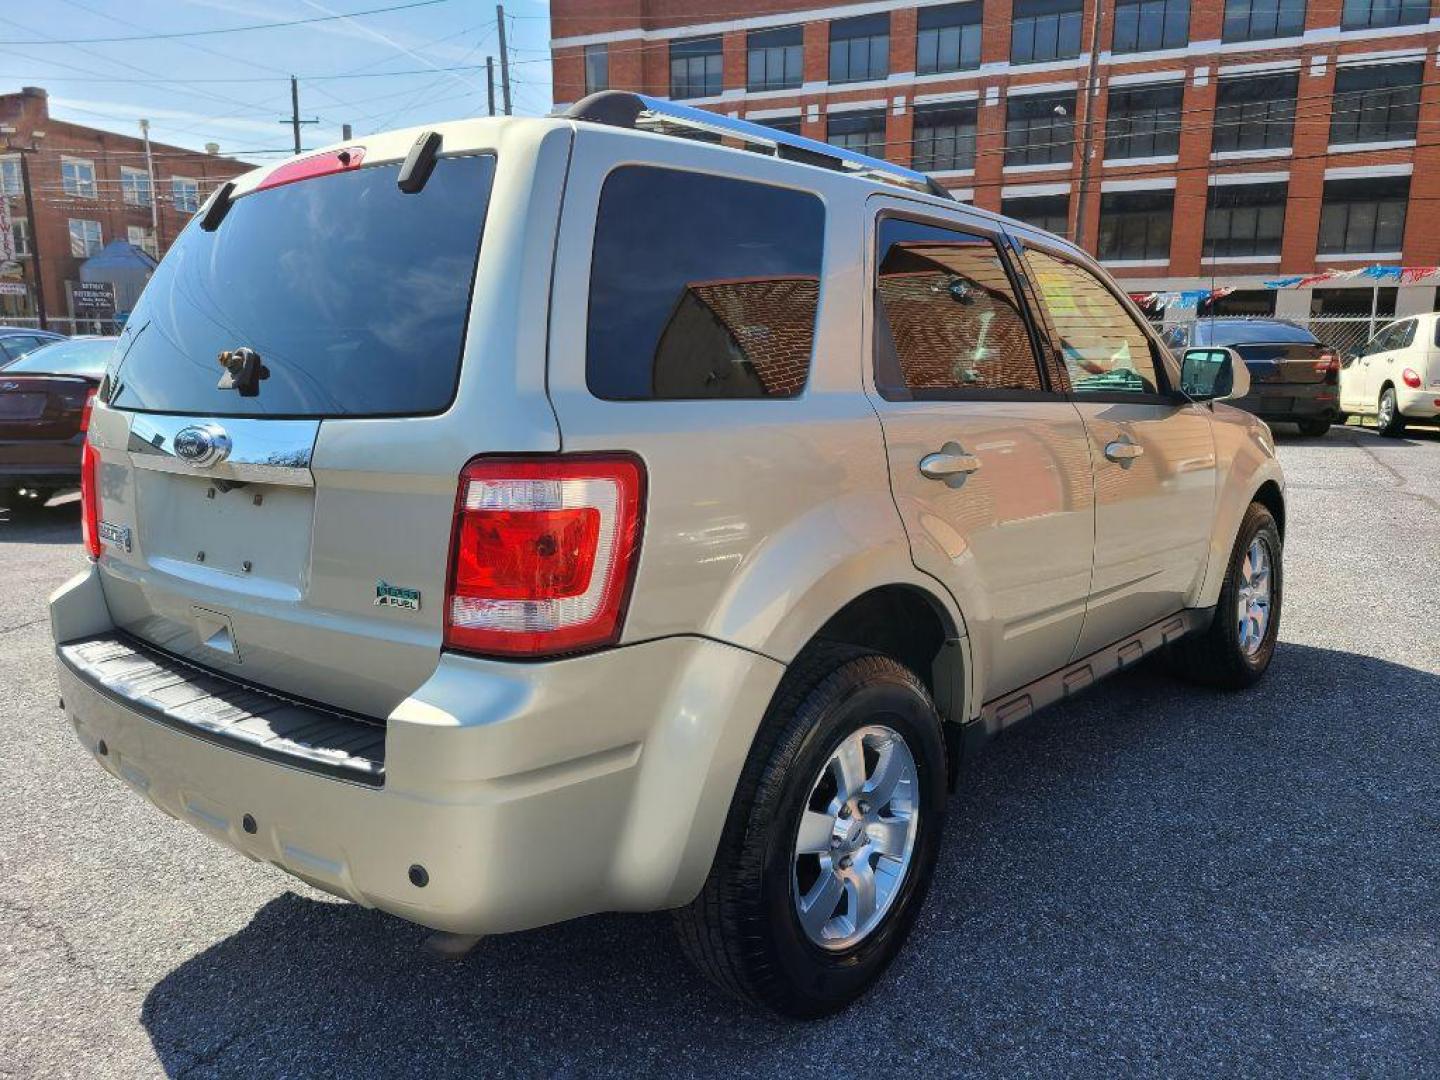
(1293, 377)
(17, 341)
(44, 404)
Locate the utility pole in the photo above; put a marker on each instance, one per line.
(295, 120)
(504, 58)
(490, 82)
(154, 194)
(1092, 90)
(34, 233)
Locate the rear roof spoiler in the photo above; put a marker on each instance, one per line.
(623, 109)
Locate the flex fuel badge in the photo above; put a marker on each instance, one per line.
(387, 595)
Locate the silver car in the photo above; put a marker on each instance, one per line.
(518, 519)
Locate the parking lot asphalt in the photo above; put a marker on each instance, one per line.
(1150, 879)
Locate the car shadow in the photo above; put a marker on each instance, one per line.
(1151, 877)
(1353, 434)
(56, 522)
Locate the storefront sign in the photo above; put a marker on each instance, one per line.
(93, 298)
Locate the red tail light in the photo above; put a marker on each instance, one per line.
(543, 553)
(1329, 366)
(1411, 379)
(90, 499)
(85, 412)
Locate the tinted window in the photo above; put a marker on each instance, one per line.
(1380, 103)
(696, 68)
(776, 58)
(354, 294)
(860, 48)
(1048, 212)
(1146, 25)
(1245, 219)
(1105, 350)
(86, 357)
(1136, 224)
(944, 137)
(1245, 331)
(1255, 113)
(1143, 121)
(946, 316)
(712, 304)
(1039, 128)
(1045, 30)
(1251, 20)
(948, 38)
(1363, 14)
(1364, 216)
(862, 132)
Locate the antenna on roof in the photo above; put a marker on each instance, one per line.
(620, 108)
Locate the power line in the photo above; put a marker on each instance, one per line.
(229, 29)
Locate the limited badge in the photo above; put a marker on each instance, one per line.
(116, 535)
(387, 595)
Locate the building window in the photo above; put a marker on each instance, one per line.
(776, 59)
(1144, 121)
(944, 137)
(597, 68)
(696, 68)
(135, 186)
(860, 48)
(1136, 224)
(948, 39)
(85, 239)
(860, 132)
(1244, 220)
(1048, 212)
(77, 177)
(1252, 20)
(1255, 113)
(1148, 25)
(10, 179)
(20, 230)
(1040, 129)
(143, 237)
(1363, 216)
(719, 304)
(1376, 104)
(1043, 30)
(185, 194)
(788, 124)
(1364, 14)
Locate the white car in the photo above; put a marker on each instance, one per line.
(1395, 377)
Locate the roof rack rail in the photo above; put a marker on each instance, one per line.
(621, 108)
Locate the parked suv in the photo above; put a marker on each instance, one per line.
(1395, 377)
(528, 518)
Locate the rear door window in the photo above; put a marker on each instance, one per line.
(354, 294)
(947, 320)
(701, 287)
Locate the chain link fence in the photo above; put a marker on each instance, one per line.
(1344, 334)
(69, 327)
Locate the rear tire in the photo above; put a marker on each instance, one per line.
(1313, 429)
(1388, 421)
(1234, 652)
(745, 931)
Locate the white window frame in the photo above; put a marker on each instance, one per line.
(146, 242)
(135, 186)
(20, 230)
(71, 184)
(84, 238)
(18, 189)
(175, 197)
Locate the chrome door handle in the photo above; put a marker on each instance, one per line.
(1123, 451)
(947, 464)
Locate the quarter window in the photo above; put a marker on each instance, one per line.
(776, 59)
(1040, 129)
(77, 177)
(1256, 113)
(85, 238)
(696, 68)
(860, 48)
(861, 132)
(1043, 30)
(1251, 20)
(1243, 220)
(944, 137)
(718, 304)
(1380, 103)
(1135, 225)
(1148, 25)
(597, 68)
(946, 316)
(948, 38)
(1363, 216)
(1104, 348)
(1144, 121)
(1365, 14)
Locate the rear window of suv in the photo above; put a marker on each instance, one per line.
(701, 287)
(354, 294)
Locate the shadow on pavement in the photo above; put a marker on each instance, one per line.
(1152, 878)
(58, 522)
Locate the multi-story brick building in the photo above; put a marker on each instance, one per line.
(1224, 143)
(87, 187)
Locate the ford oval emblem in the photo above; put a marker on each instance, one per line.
(202, 445)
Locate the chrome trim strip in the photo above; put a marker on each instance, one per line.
(262, 451)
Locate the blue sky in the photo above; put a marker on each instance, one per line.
(233, 88)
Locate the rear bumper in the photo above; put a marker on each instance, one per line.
(40, 462)
(530, 793)
(1418, 404)
(1293, 402)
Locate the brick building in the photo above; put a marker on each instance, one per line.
(88, 188)
(1226, 142)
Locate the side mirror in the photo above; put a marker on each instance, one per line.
(1213, 374)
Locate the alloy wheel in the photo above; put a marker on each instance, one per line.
(1254, 596)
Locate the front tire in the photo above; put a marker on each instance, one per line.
(831, 840)
(1388, 421)
(1236, 649)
